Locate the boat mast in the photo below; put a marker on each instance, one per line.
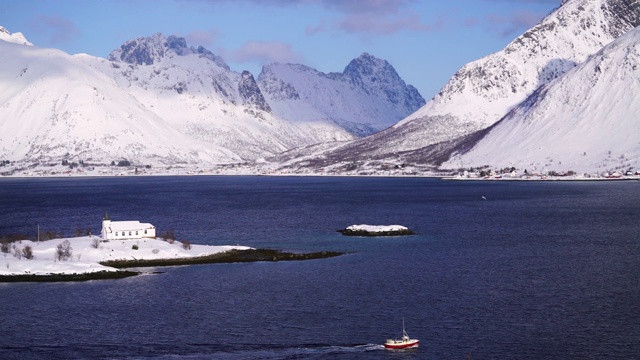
(404, 332)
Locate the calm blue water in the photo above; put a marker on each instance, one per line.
(536, 271)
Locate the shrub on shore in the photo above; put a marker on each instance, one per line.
(27, 252)
(64, 250)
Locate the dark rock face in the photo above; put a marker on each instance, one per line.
(136, 52)
(368, 71)
(141, 51)
(278, 89)
(177, 44)
(250, 93)
(211, 56)
(624, 15)
(148, 50)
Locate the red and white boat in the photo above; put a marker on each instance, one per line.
(403, 343)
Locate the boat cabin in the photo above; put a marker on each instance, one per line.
(115, 230)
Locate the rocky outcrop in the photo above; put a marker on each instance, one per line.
(250, 93)
(151, 49)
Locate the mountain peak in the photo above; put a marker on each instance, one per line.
(367, 97)
(484, 91)
(377, 75)
(142, 51)
(151, 49)
(500, 81)
(16, 38)
(250, 92)
(582, 121)
(367, 64)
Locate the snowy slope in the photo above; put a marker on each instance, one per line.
(88, 251)
(197, 94)
(55, 107)
(483, 91)
(586, 120)
(16, 38)
(158, 101)
(366, 97)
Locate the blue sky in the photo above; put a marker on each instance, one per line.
(426, 41)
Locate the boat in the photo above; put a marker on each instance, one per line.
(405, 342)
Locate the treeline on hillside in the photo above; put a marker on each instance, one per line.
(44, 235)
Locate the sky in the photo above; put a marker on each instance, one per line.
(426, 41)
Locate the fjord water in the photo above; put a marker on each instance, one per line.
(538, 270)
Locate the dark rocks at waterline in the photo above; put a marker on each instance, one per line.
(99, 275)
(231, 256)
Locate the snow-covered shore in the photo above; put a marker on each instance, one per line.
(23, 170)
(375, 230)
(88, 251)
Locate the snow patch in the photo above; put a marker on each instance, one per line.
(88, 251)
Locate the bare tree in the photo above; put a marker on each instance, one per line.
(4, 246)
(95, 243)
(27, 252)
(169, 236)
(64, 250)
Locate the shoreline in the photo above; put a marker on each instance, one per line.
(549, 179)
(226, 257)
(365, 230)
(230, 256)
(97, 275)
(440, 176)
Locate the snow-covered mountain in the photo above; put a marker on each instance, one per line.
(196, 93)
(366, 97)
(16, 38)
(586, 120)
(484, 91)
(155, 100)
(152, 49)
(55, 107)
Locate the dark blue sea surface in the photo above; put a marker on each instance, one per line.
(538, 270)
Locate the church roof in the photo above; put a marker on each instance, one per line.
(129, 225)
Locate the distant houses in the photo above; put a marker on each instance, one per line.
(512, 173)
(116, 230)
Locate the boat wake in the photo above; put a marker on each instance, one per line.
(273, 353)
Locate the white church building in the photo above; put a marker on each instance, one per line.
(116, 230)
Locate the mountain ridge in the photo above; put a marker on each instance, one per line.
(176, 104)
(485, 90)
(366, 97)
(533, 137)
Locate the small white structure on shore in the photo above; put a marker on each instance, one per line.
(114, 230)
